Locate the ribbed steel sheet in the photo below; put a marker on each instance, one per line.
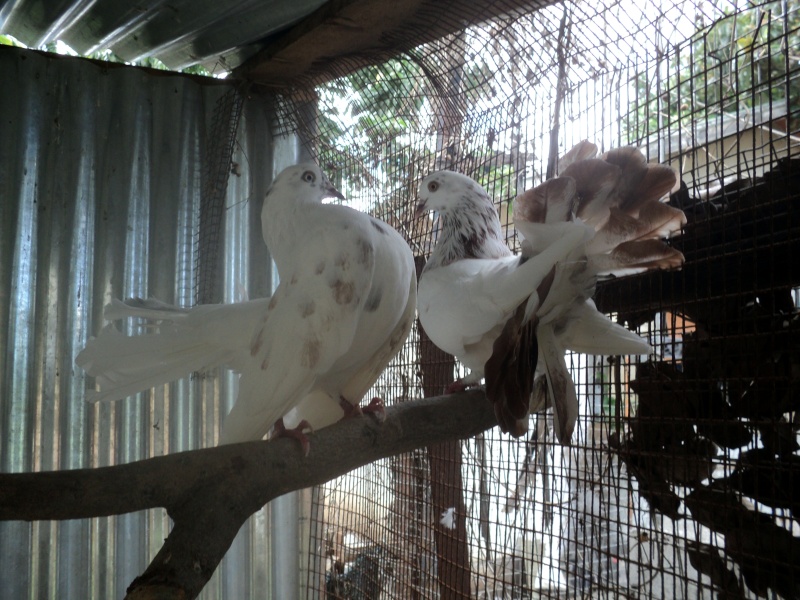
(101, 171)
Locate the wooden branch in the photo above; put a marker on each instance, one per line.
(210, 493)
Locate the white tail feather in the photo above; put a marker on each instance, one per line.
(151, 309)
(185, 341)
(125, 365)
(590, 332)
(560, 385)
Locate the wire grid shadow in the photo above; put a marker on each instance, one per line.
(681, 480)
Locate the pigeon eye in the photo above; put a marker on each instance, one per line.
(433, 186)
(309, 177)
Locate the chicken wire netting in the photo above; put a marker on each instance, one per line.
(682, 477)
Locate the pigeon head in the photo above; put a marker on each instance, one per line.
(297, 187)
(467, 219)
(305, 182)
(447, 192)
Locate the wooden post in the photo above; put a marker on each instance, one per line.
(447, 486)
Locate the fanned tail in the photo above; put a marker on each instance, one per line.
(621, 196)
(619, 199)
(125, 365)
(183, 341)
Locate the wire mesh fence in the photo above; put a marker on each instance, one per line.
(218, 168)
(682, 477)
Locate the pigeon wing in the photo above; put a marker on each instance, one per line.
(464, 305)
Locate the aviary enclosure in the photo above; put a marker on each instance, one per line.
(683, 476)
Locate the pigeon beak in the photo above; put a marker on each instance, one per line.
(330, 190)
(421, 209)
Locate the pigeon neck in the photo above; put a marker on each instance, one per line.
(468, 234)
(282, 228)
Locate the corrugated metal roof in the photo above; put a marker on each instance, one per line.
(100, 179)
(181, 33)
(279, 43)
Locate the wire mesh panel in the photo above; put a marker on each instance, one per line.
(681, 479)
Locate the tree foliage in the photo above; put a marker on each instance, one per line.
(361, 117)
(744, 61)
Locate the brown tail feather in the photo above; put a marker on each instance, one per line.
(633, 171)
(627, 158)
(561, 388)
(619, 228)
(580, 151)
(551, 202)
(595, 181)
(509, 373)
(638, 255)
(655, 220)
(660, 220)
(655, 183)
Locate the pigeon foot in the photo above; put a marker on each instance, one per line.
(298, 433)
(461, 385)
(375, 408)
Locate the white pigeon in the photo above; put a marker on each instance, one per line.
(344, 307)
(510, 318)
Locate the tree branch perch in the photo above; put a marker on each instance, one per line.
(210, 493)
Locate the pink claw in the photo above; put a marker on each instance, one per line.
(350, 410)
(456, 386)
(463, 384)
(297, 433)
(376, 409)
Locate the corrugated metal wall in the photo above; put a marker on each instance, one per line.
(100, 179)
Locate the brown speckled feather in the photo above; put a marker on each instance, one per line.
(619, 196)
